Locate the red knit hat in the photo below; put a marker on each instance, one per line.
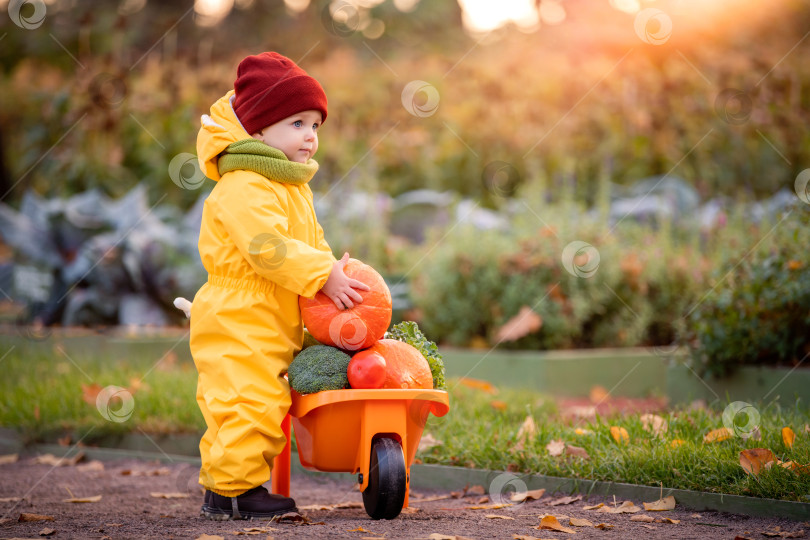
(270, 87)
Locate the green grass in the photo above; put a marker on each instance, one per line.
(41, 396)
(475, 434)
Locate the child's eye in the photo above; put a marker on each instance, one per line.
(298, 123)
(315, 126)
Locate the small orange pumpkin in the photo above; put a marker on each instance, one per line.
(355, 328)
(405, 367)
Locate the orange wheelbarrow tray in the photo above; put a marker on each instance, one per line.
(374, 433)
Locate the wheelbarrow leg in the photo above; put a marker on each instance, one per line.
(280, 477)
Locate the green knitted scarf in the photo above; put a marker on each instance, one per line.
(254, 155)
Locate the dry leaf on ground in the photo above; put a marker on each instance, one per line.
(93, 499)
(498, 405)
(603, 526)
(10, 499)
(576, 451)
(594, 507)
(717, 435)
(476, 490)
(524, 323)
(210, 537)
(551, 523)
(619, 434)
(497, 516)
(526, 432)
(90, 393)
(676, 443)
(495, 506)
(50, 459)
(654, 424)
(627, 507)
(565, 500)
(524, 537)
(667, 503)
(34, 517)
(754, 460)
(668, 520)
(598, 394)
(9, 458)
(577, 522)
(532, 495)
(428, 441)
(158, 495)
(91, 466)
(788, 437)
(437, 536)
(47, 532)
(580, 431)
(556, 447)
(643, 518)
(478, 384)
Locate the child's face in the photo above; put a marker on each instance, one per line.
(296, 135)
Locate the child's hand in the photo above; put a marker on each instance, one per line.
(340, 288)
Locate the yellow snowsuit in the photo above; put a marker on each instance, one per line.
(262, 247)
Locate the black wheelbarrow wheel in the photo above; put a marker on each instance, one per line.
(387, 480)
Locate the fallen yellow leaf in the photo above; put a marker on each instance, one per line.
(667, 503)
(477, 384)
(555, 447)
(497, 516)
(643, 517)
(34, 517)
(565, 500)
(717, 435)
(93, 499)
(654, 424)
(526, 432)
(668, 520)
(676, 443)
(603, 526)
(577, 522)
(437, 536)
(594, 507)
(627, 507)
(580, 431)
(47, 532)
(210, 537)
(576, 451)
(359, 529)
(495, 506)
(551, 523)
(754, 459)
(159, 495)
(524, 323)
(9, 458)
(53, 461)
(498, 405)
(532, 495)
(619, 434)
(788, 437)
(476, 490)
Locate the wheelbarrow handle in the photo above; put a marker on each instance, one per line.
(280, 477)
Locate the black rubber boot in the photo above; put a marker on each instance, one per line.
(254, 504)
(206, 500)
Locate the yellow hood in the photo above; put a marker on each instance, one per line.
(219, 129)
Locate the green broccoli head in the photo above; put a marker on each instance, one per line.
(318, 368)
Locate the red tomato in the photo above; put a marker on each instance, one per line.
(367, 370)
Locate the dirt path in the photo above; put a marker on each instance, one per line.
(128, 510)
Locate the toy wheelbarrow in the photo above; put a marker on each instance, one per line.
(373, 433)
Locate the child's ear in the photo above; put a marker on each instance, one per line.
(257, 135)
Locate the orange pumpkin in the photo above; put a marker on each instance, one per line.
(405, 367)
(355, 328)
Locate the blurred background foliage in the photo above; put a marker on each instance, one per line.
(578, 110)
